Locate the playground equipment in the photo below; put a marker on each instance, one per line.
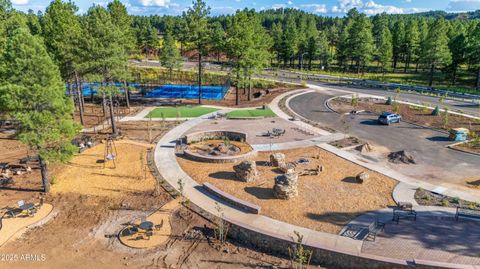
(110, 153)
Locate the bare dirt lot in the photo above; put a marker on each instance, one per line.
(325, 203)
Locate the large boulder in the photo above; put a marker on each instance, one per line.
(362, 177)
(277, 159)
(246, 171)
(287, 168)
(286, 186)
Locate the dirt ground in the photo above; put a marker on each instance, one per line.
(325, 203)
(92, 204)
(93, 113)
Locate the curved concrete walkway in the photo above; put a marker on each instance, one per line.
(166, 162)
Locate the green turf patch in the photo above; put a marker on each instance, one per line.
(180, 112)
(254, 113)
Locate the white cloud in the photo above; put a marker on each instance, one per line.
(20, 2)
(290, 3)
(372, 8)
(316, 8)
(154, 3)
(463, 5)
(277, 6)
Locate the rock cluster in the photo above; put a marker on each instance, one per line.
(362, 177)
(246, 171)
(286, 186)
(277, 159)
(400, 157)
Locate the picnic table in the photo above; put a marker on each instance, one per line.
(146, 225)
(29, 209)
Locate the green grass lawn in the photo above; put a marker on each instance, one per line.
(251, 113)
(180, 112)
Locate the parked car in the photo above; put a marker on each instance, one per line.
(387, 118)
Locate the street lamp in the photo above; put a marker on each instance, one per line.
(301, 65)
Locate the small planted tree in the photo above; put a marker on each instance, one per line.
(445, 117)
(181, 186)
(354, 101)
(436, 111)
(389, 101)
(299, 256)
(221, 230)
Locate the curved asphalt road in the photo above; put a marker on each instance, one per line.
(467, 107)
(435, 163)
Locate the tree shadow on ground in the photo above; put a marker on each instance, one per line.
(260, 193)
(337, 218)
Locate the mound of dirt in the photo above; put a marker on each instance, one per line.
(401, 157)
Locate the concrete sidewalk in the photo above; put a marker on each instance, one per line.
(166, 162)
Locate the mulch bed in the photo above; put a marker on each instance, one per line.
(428, 198)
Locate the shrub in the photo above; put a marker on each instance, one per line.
(389, 101)
(436, 111)
(445, 202)
(455, 200)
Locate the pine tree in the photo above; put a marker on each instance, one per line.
(169, 55)
(360, 41)
(247, 46)
(33, 93)
(412, 40)
(196, 19)
(385, 48)
(473, 52)
(436, 52)
(289, 40)
(218, 39)
(62, 34)
(398, 35)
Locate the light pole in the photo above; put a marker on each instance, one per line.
(301, 65)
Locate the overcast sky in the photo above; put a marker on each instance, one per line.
(325, 7)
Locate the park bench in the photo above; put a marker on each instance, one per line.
(249, 207)
(403, 213)
(467, 213)
(374, 228)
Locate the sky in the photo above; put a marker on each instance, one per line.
(321, 7)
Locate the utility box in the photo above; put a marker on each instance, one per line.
(458, 134)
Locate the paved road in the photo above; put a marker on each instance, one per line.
(467, 107)
(436, 164)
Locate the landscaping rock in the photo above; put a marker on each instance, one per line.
(277, 159)
(287, 168)
(400, 157)
(286, 186)
(246, 171)
(362, 177)
(365, 148)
